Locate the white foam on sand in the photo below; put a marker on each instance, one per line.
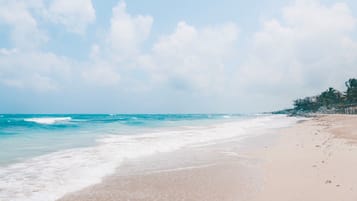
(51, 176)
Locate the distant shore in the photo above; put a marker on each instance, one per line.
(312, 160)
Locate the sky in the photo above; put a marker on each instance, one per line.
(158, 56)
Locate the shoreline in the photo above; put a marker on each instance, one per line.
(53, 175)
(311, 160)
(186, 174)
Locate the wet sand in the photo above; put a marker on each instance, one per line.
(314, 160)
(215, 172)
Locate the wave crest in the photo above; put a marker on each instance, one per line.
(48, 120)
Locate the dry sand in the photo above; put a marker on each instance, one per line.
(314, 160)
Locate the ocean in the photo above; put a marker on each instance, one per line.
(43, 157)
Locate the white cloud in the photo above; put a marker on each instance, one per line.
(24, 28)
(5, 51)
(75, 15)
(127, 32)
(35, 82)
(13, 83)
(309, 49)
(95, 51)
(120, 49)
(42, 83)
(311, 17)
(34, 70)
(24, 15)
(25, 65)
(101, 76)
(195, 58)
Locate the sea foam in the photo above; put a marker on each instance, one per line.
(49, 177)
(48, 120)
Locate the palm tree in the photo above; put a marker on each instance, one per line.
(308, 104)
(330, 97)
(351, 93)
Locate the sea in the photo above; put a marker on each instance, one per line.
(45, 156)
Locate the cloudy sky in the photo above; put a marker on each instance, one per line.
(158, 56)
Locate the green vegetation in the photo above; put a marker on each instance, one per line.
(329, 101)
(351, 93)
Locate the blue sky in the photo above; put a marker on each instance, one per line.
(91, 56)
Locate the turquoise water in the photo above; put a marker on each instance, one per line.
(43, 157)
(26, 136)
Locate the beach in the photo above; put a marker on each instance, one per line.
(178, 100)
(314, 159)
(46, 157)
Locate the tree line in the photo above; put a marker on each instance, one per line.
(329, 100)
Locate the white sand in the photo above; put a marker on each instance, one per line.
(312, 161)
